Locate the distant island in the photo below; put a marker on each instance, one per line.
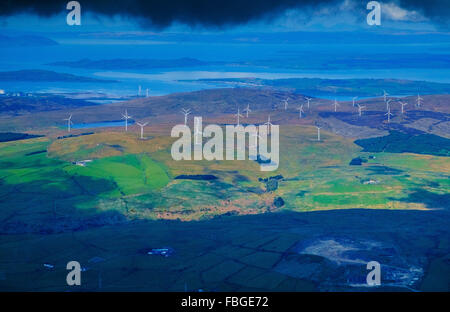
(26, 41)
(38, 103)
(339, 87)
(115, 64)
(45, 75)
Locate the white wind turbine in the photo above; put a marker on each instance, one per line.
(247, 110)
(69, 122)
(142, 125)
(185, 112)
(403, 106)
(389, 114)
(126, 117)
(419, 100)
(308, 100)
(146, 92)
(268, 124)
(360, 108)
(335, 104)
(385, 94)
(237, 116)
(285, 104)
(318, 133)
(300, 111)
(139, 90)
(353, 100)
(388, 105)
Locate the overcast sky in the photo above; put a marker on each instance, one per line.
(331, 15)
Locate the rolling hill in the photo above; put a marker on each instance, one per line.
(45, 75)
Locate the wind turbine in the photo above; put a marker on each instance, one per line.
(247, 110)
(318, 133)
(335, 104)
(353, 100)
(269, 124)
(139, 90)
(285, 104)
(238, 115)
(126, 117)
(185, 112)
(403, 105)
(142, 128)
(360, 109)
(300, 111)
(388, 106)
(389, 114)
(146, 92)
(385, 94)
(308, 100)
(419, 100)
(69, 122)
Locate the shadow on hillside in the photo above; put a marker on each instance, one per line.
(429, 199)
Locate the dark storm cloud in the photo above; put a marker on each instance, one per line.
(162, 13)
(436, 10)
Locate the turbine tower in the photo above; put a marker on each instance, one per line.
(335, 104)
(318, 133)
(142, 129)
(238, 115)
(185, 112)
(139, 90)
(388, 105)
(286, 103)
(353, 100)
(419, 100)
(385, 94)
(69, 122)
(360, 108)
(403, 106)
(146, 92)
(269, 124)
(247, 110)
(300, 111)
(308, 100)
(126, 117)
(389, 115)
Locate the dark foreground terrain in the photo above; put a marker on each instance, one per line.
(324, 250)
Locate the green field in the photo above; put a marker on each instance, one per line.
(136, 179)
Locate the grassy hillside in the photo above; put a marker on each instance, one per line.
(135, 179)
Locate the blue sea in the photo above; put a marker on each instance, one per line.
(166, 81)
